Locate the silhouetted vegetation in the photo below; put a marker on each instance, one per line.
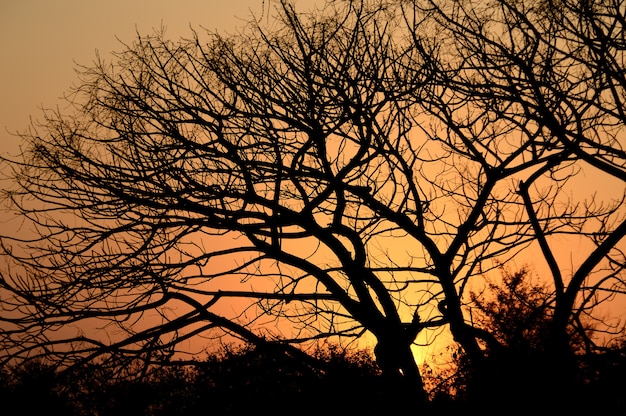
(234, 381)
(518, 370)
(244, 380)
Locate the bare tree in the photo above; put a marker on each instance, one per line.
(535, 90)
(342, 173)
(222, 170)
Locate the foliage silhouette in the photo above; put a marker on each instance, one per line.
(517, 369)
(238, 380)
(235, 381)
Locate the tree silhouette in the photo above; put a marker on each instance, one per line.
(344, 172)
(544, 81)
(517, 310)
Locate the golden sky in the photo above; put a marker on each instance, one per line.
(42, 40)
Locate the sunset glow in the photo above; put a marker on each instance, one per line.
(430, 193)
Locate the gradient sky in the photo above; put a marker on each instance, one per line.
(42, 40)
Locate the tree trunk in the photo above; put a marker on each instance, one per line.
(402, 374)
(561, 365)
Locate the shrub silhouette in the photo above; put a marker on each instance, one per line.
(234, 381)
(240, 380)
(518, 372)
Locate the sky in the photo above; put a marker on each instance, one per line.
(41, 41)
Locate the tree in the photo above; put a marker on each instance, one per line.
(517, 310)
(207, 171)
(518, 313)
(540, 86)
(341, 173)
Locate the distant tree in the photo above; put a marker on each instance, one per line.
(34, 388)
(340, 173)
(231, 381)
(517, 310)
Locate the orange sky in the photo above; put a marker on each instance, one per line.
(40, 41)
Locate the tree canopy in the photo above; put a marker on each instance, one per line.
(352, 171)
